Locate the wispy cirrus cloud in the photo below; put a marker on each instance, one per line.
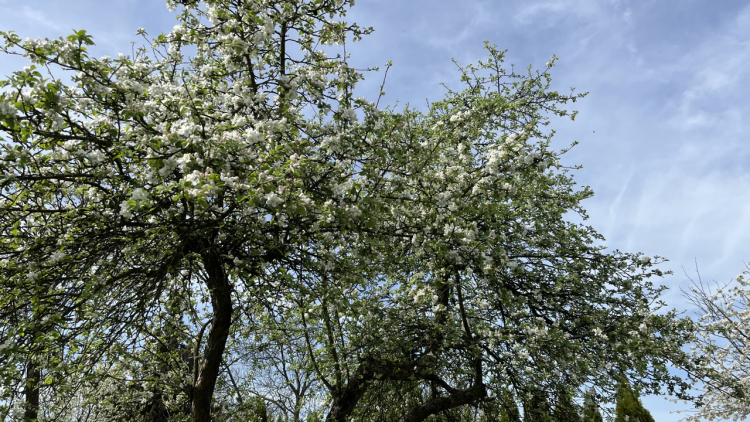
(720, 78)
(36, 16)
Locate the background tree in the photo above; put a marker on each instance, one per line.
(566, 410)
(591, 412)
(508, 410)
(273, 363)
(629, 406)
(536, 407)
(259, 410)
(721, 347)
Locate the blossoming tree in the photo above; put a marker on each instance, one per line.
(166, 214)
(722, 344)
(492, 290)
(118, 190)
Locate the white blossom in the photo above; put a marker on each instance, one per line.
(139, 194)
(273, 200)
(57, 256)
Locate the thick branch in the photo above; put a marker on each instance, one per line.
(33, 375)
(221, 303)
(439, 404)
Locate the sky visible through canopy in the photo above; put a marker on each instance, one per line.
(663, 133)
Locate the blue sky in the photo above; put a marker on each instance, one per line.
(663, 141)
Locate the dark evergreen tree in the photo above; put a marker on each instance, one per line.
(565, 409)
(537, 407)
(591, 411)
(629, 407)
(508, 410)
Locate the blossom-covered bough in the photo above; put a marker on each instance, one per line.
(721, 343)
(169, 216)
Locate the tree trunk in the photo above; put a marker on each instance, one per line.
(345, 400)
(439, 404)
(221, 303)
(33, 375)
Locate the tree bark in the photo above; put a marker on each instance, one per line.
(33, 375)
(439, 404)
(347, 398)
(221, 303)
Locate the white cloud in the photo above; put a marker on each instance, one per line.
(37, 16)
(719, 74)
(532, 12)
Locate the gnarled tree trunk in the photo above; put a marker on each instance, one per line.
(221, 304)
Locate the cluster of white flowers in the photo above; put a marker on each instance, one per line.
(139, 194)
(7, 108)
(56, 257)
(348, 115)
(273, 200)
(422, 296)
(460, 116)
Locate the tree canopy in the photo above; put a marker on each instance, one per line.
(220, 219)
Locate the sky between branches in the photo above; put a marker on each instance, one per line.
(664, 133)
